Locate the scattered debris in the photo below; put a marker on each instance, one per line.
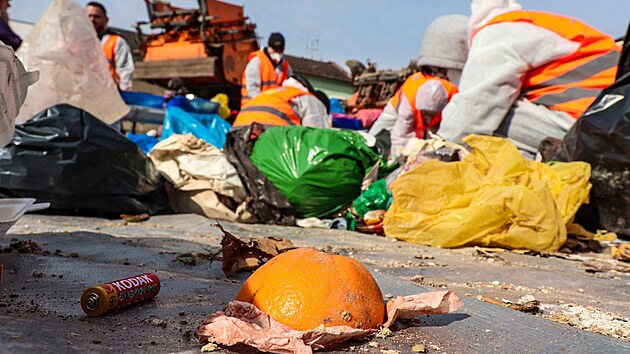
(526, 304)
(621, 252)
(37, 274)
(418, 279)
(188, 259)
(210, 347)
(488, 254)
(21, 246)
(135, 218)
(239, 255)
(158, 322)
(589, 318)
(423, 256)
(384, 332)
(419, 348)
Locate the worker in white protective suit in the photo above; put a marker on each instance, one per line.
(529, 75)
(15, 81)
(415, 109)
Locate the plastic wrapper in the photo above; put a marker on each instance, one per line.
(264, 200)
(79, 165)
(319, 170)
(375, 197)
(65, 49)
(494, 197)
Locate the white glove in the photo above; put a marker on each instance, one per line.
(14, 81)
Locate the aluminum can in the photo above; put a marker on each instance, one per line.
(104, 298)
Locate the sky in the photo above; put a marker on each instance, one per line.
(388, 32)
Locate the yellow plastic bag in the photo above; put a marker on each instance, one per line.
(494, 197)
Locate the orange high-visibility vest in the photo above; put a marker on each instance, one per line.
(268, 77)
(271, 107)
(409, 89)
(569, 84)
(109, 47)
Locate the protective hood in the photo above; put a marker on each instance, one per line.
(445, 43)
(15, 81)
(483, 11)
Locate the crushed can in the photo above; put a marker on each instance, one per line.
(104, 298)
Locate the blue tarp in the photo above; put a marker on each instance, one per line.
(209, 127)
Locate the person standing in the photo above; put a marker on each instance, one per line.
(267, 68)
(116, 49)
(7, 36)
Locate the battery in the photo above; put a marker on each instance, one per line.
(104, 298)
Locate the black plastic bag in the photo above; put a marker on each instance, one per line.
(267, 203)
(601, 137)
(67, 157)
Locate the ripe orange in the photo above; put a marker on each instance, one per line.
(304, 288)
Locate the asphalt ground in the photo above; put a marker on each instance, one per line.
(40, 292)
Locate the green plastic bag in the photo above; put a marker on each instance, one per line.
(375, 197)
(319, 170)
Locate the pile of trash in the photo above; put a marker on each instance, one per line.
(69, 151)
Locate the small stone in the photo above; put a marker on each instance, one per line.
(580, 290)
(384, 333)
(346, 316)
(373, 344)
(418, 279)
(182, 313)
(525, 299)
(158, 322)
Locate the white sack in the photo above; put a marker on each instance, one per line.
(64, 47)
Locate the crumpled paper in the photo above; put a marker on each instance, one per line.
(412, 306)
(242, 323)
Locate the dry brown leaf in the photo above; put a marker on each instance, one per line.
(239, 255)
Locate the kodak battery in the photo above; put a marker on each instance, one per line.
(101, 299)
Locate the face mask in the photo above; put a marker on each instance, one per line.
(276, 57)
(12, 95)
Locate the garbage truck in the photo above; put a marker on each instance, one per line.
(206, 47)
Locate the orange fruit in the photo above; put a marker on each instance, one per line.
(305, 288)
